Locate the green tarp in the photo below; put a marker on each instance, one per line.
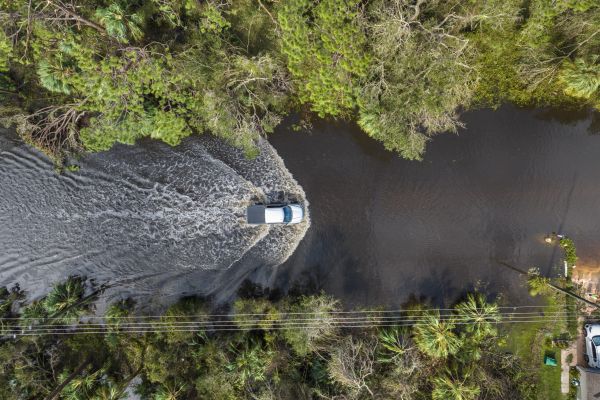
(550, 361)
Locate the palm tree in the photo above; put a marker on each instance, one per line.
(581, 77)
(33, 312)
(537, 283)
(479, 316)
(394, 343)
(435, 337)
(80, 386)
(55, 76)
(170, 391)
(251, 363)
(7, 299)
(66, 379)
(119, 24)
(64, 297)
(448, 388)
(110, 391)
(117, 313)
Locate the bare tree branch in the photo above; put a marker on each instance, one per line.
(75, 16)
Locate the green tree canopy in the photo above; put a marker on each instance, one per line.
(325, 48)
(188, 352)
(435, 337)
(82, 75)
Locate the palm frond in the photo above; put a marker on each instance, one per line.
(435, 337)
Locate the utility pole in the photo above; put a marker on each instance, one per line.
(559, 289)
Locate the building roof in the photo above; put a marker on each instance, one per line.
(589, 383)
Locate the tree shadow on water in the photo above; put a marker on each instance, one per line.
(439, 288)
(572, 116)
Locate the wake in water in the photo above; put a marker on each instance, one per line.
(151, 219)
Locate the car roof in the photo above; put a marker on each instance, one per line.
(273, 215)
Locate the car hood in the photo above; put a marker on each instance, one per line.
(594, 331)
(297, 213)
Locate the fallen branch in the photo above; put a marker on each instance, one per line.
(76, 17)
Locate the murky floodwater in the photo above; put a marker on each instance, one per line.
(151, 220)
(385, 228)
(160, 222)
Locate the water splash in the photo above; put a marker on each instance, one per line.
(159, 220)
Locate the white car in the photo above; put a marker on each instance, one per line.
(592, 345)
(275, 214)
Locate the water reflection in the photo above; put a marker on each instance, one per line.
(386, 228)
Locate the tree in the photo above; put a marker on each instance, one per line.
(10, 299)
(119, 24)
(550, 38)
(64, 298)
(393, 341)
(5, 51)
(419, 77)
(351, 364)
(81, 386)
(570, 251)
(259, 363)
(256, 313)
(319, 309)
(581, 78)
(537, 283)
(436, 338)
(170, 391)
(103, 90)
(324, 46)
(81, 75)
(446, 387)
(251, 364)
(478, 316)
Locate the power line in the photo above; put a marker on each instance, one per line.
(276, 321)
(408, 318)
(429, 310)
(139, 331)
(254, 325)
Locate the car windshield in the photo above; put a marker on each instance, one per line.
(287, 214)
(596, 340)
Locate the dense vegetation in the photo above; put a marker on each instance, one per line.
(435, 358)
(81, 75)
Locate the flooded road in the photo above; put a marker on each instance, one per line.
(385, 228)
(160, 222)
(151, 221)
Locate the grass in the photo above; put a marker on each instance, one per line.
(532, 341)
(549, 380)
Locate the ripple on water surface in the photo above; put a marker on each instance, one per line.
(150, 218)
